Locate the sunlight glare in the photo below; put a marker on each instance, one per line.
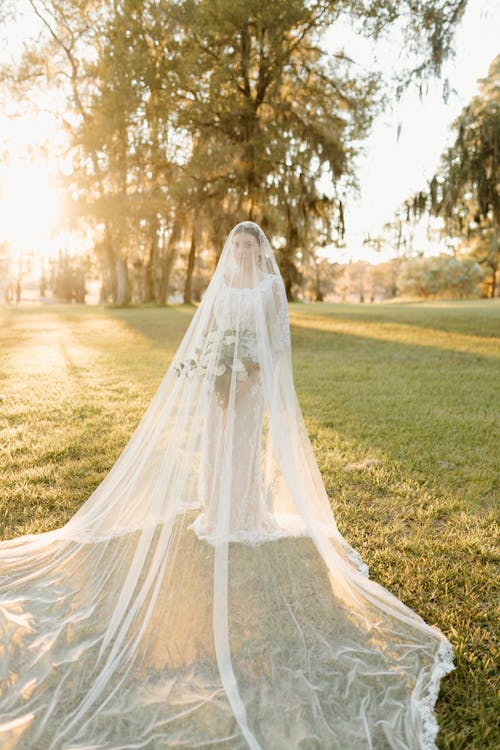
(29, 207)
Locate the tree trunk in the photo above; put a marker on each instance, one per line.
(149, 285)
(319, 293)
(110, 282)
(493, 286)
(168, 260)
(123, 282)
(190, 267)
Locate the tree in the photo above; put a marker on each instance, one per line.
(464, 191)
(67, 277)
(214, 111)
(441, 276)
(320, 279)
(272, 112)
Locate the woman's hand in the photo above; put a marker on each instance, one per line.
(223, 382)
(251, 366)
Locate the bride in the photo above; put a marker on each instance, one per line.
(203, 597)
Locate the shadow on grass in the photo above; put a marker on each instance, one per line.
(473, 317)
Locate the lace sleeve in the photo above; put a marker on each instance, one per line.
(280, 327)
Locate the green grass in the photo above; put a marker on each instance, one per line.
(413, 387)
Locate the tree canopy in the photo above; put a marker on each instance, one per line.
(185, 117)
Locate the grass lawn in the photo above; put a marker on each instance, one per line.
(401, 403)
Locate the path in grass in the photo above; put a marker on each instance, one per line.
(401, 403)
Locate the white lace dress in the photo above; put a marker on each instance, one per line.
(249, 517)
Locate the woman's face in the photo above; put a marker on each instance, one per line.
(246, 249)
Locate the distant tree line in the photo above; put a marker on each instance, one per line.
(186, 117)
(417, 276)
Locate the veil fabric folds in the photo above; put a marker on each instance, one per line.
(202, 596)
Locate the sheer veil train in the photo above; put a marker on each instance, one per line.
(203, 597)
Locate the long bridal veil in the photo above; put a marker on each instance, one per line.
(203, 597)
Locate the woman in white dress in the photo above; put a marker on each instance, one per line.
(203, 597)
(245, 286)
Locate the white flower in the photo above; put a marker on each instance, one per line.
(239, 366)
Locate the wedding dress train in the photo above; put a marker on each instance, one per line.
(203, 597)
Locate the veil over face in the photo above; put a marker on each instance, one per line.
(203, 597)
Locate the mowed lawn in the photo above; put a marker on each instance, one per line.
(401, 402)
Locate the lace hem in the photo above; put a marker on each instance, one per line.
(278, 526)
(358, 561)
(443, 665)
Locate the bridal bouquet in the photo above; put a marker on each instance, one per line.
(217, 358)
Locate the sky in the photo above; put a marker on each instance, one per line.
(392, 170)
(389, 171)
